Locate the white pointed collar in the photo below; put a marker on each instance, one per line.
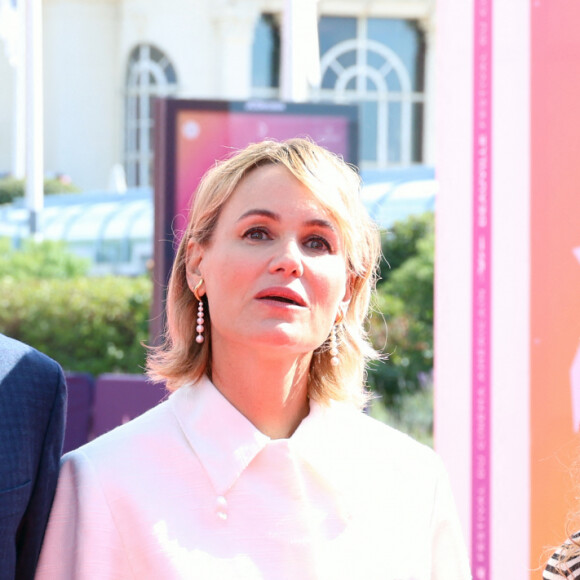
(226, 442)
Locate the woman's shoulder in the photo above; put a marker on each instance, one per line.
(565, 562)
(149, 429)
(379, 430)
(373, 437)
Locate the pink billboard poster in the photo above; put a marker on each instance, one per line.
(204, 136)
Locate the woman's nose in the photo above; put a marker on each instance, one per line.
(287, 259)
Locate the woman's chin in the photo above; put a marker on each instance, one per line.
(283, 339)
(270, 339)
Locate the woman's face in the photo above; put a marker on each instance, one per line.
(275, 270)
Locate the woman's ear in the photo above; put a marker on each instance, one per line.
(193, 260)
(347, 293)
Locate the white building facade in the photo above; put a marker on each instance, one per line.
(105, 61)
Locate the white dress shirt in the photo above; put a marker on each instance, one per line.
(192, 489)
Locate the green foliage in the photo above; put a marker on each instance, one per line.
(93, 325)
(403, 329)
(414, 415)
(400, 243)
(11, 188)
(59, 185)
(48, 259)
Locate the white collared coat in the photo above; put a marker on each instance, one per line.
(191, 489)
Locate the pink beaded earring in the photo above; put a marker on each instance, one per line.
(334, 360)
(200, 315)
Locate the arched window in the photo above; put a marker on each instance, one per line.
(379, 64)
(150, 74)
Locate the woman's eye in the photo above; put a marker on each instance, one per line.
(318, 243)
(256, 234)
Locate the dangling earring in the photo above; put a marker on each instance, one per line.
(334, 360)
(200, 315)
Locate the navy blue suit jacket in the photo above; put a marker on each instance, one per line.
(32, 408)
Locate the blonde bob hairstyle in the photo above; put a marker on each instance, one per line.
(336, 187)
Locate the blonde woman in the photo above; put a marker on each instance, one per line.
(260, 465)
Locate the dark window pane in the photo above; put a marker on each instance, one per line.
(393, 82)
(369, 128)
(394, 141)
(266, 53)
(329, 79)
(155, 54)
(141, 110)
(406, 40)
(134, 56)
(375, 60)
(418, 112)
(332, 30)
(170, 74)
(371, 86)
(347, 59)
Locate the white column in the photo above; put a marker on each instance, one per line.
(300, 70)
(498, 193)
(235, 23)
(19, 159)
(34, 115)
(511, 259)
(12, 32)
(453, 257)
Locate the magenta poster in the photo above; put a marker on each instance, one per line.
(203, 136)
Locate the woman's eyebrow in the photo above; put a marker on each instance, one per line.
(260, 212)
(322, 223)
(319, 222)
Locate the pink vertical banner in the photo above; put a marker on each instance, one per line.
(481, 299)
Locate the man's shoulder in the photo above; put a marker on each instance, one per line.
(25, 370)
(13, 351)
(12, 346)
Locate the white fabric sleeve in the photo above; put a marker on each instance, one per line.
(81, 541)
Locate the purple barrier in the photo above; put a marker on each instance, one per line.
(80, 387)
(120, 398)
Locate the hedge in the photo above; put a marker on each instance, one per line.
(40, 260)
(92, 325)
(402, 326)
(12, 188)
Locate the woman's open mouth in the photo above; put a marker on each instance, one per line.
(282, 295)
